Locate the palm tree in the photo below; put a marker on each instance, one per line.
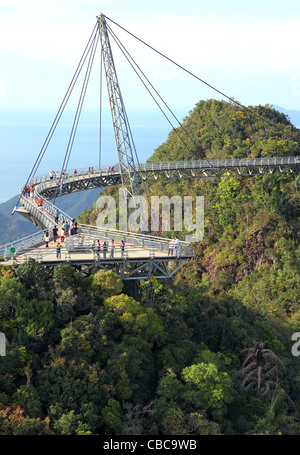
(260, 369)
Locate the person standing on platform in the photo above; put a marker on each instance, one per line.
(72, 227)
(104, 249)
(98, 249)
(56, 213)
(171, 248)
(32, 190)
(55, 233)
(112, 249)
(62, 235)
(122, 248)
(176, 245)
(47, 240)
(67, 227)
(58, 253)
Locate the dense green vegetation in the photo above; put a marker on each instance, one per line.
(212, 353)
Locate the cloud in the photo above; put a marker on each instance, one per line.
(51, 36)
(58, 30)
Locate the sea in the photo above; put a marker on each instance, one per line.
(25, 131)
(24, 134)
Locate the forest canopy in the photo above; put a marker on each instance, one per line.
(207, 352)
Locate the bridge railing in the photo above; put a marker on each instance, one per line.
(46, 214)
(221, 163)
(86, 240)
(49, 207)
(136, 239)
(128, 237)
(41, 214)
(87, 251)
(69, 174)
(169, 165)
(11, 249)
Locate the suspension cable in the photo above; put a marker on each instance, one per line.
(80, 103)
(59, 114)
(206, 83)
(101, 102)
(133, 62)
(91, 51)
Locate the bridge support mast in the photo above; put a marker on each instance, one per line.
(121, 128)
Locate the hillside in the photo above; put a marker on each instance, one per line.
(208, 352)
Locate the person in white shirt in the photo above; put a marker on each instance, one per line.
(171, 248)
(47, 239)
(176, 245)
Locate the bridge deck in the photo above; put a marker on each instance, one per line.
(144, 255)
(135, 262)
(103, 176)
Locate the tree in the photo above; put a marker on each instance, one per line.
(112, 417)
(260, 369)
(64, 276)
(135, 417)
(34, 279)
(74, 345)
(106, 283)
(36, 317)
(14, 422)
(213, 387)
(12, 293)
(64, 308)
(66, 424)
(124, 391)
(134, 318)
(27, 398)
(151, 288)
(176, 422)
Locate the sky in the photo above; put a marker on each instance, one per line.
(247, 50)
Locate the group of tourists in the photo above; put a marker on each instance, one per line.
(28, 191)
(173, 247)
(105, 248)
(57, 175)
(66, 230)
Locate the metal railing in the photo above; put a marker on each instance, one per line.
(170, 165)
(43, 183)
(86, 238)
(222, 163)
(46, 213)
(136, 239)
(14, 248)
(86, 250)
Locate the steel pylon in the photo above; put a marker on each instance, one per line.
(122, 133)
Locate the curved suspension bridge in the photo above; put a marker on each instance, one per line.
(143, 256)
(84, 179)
(131, 255)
